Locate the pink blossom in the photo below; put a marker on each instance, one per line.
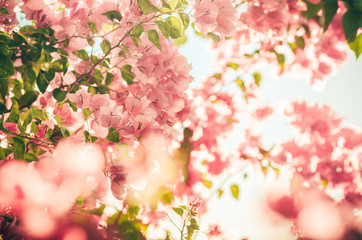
(10, 126)
(215, 16)
(214, 230)
(263, 113)
(81, 98)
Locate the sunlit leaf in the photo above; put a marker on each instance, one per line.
(235, 191)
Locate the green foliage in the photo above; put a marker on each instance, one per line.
(114, 14)
(137, 31)
(179, 211)
(127, 74)
(257, 78)
(234, 66)
(6, 66)
(14, 113)
(185, 20)
(4, 11)
(356, 45)
(351, 22)
(4, 87)
(176, 29)
(154, 38)
(109, 78)
(113, 135)
(330, 9)
(93, 27)
(235, 191)
(105, 46)
(82, 54)
(19, 147)
(147, 7)
(27, 99)
(59, 95)
(281, 60)
(312, 10)
(30, 157)
(65, 132)
(44, 79)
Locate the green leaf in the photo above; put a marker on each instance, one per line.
(176, 27)
(30, 157)
(4, 37)
(281, 60)
(6, 66)
(19, 148)
(4, 87)
(65, 132)
(27, 99)
(114, 14)
(172, 3)
(167, 197)
(234, 66)
(180, 41)
(127, 74)
(56, 135)
(351, 22)
(29, 77)
(356, 45)
(312, 10)
(257, 78)
(185, 19)
(330, 9)
(220, 192)
(42, 81)
(17, 87)
(79, 201)
(3, 108)
(109, 78)
(153, 37)
(137, 31)
(94, 59)
(193, 224)
(56, 66)
(164, 27)
(98, 77)
(235, 191)
(105, 46)
(33, 128)
(179, 211)
(14, 113)
(89, 137)
(28, 119)
(38, 114)
(2, 154)
(97, 211)
(82, 54)
(207, 183)
(4, 48)
(300, 42)
(93, 27)
(165, 6)
(59, 95)
(146, 6)
(113, 135)
(4, 11)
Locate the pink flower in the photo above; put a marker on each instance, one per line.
(81, 98)
(263, 113)
(11, 126)
(215, 16)
(214, 230)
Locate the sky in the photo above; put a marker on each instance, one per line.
(343, 92)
